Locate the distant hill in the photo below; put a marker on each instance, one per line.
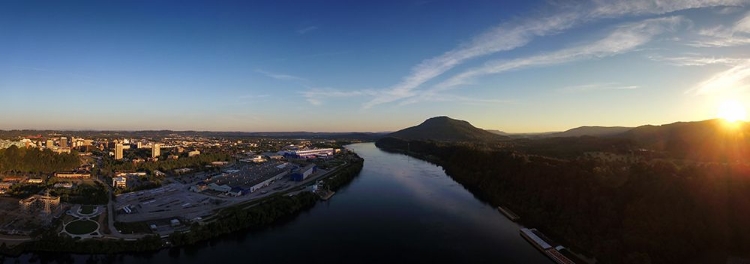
(597, 131)
(443, 128)
(713, 140)
(497, 132)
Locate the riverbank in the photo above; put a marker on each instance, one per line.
(228, 220)
(443, 154)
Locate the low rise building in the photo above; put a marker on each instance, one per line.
(72, 175)
(120, 182)
(219, 188)
(35, 181)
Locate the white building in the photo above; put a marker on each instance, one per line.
(156, 150)
(120, 182)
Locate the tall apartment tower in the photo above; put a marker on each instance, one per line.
(50, 143)
(156, 150)
(63, 142)
(118, 151)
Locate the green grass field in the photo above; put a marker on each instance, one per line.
(81, 227)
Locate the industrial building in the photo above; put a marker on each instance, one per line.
(249, 178)
(309, 153)
(300, 174)
(219, 188)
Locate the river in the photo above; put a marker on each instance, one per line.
(398, 210)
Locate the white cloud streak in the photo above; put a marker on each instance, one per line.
(515, 34)
(619, 8)
(696, 60)
(624, 38)
(316, 96)
(733, 79)
(502, 38)
(721, 36)
(597, 87)
(283, 77)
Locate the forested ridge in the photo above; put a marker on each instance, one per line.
(36, 161)
(619, 211)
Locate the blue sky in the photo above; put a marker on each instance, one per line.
(525, 66)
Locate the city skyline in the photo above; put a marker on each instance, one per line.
(338, 66)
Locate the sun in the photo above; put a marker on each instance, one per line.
(732, 111)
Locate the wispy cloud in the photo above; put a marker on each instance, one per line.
(618, 8)
(505, 37)
(696, 60)
(307, 30)
(723, 36)
(623, 39)
(597, 87)
(278, 76)
(734, 79)
(316, 96)
(518, 33)
(442, 97)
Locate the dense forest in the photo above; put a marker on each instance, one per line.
(34, 160)
(618, 210)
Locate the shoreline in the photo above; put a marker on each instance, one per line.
(506, 212)
(289, 203)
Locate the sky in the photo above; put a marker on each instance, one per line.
(369, 66)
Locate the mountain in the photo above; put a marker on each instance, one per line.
(443, 128)
(597, 131)
(497, 132)
(709, 140)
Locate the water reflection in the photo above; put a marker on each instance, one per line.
(397, 210)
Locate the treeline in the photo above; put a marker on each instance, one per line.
(83, 194)
(345, 175)
(237, 218)
(198, 162)
(619, 211)
(34, 160)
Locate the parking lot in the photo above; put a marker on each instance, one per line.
(167, 201)
(176, 201)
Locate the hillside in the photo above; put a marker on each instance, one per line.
(444, 128)
(597, 131)
(709, 140)
(497, 132)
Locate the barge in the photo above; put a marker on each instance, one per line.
(508, 213)
(545, 245)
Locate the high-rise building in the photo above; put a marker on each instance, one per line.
(50, 143)
(63, 142)
(139, 144)
(156, 150)
(118, 151)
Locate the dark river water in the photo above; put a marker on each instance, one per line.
(398, 210)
